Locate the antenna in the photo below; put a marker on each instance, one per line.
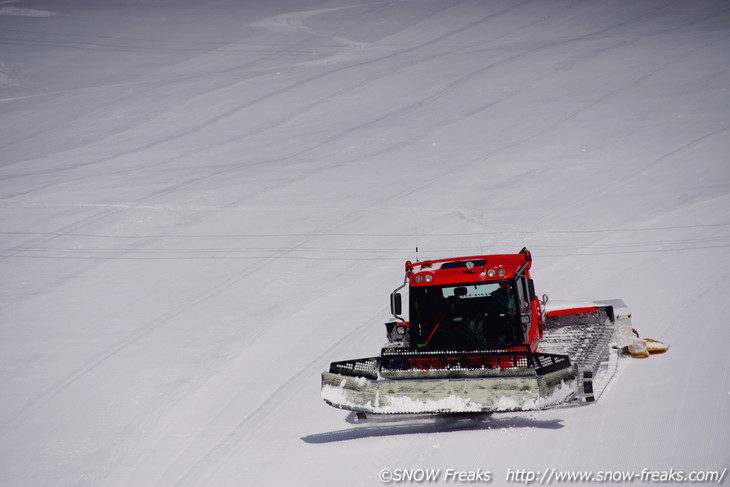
(416, 243)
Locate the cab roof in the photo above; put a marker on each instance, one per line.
(460, 270)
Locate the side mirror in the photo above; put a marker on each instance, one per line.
(396, 304)
(531, 289)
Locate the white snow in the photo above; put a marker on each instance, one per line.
(558, 396)
(202, 204)
(337, 395)
(23, 12)
(450, 403)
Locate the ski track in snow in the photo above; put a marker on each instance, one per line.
(278, 93)
(284, 164)
(149, 327)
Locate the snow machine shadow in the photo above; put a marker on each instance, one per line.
(383, 426)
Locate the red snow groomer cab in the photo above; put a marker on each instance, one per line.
(472, 343)
(471, 303)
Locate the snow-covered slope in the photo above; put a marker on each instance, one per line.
(202, 204)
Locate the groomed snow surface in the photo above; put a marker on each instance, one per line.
(202, 204)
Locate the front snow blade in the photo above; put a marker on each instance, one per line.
(417, 382)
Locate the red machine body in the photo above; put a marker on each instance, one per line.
(469, 343)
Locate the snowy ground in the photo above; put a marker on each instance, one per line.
(202, 204)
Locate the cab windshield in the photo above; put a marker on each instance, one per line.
(465, 316)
